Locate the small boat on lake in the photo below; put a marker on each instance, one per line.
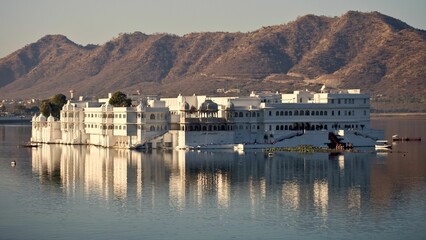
(30, 145)
(382, 145)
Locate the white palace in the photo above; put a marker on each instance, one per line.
(261, 120)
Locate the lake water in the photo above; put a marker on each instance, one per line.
(79, 192)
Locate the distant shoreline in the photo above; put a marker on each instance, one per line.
(381, 115)
(399, 113)
(7, 120)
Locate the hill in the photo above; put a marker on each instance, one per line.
(377, 53)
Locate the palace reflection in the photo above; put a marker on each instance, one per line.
(213, 179)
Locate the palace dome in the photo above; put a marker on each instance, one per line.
(41, 118)
(209, 106)
(50, 118)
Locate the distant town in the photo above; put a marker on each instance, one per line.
(18, 108)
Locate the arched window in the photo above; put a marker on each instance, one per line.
(152, 129)
(281, 113)
(241, 114)
(296, 112)
(290, 113)
(286, 113)
(277, 127)
(236, 114)
(152, 116)
(302, 113)
(277, 113)
(307, 112)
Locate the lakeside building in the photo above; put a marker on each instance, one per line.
(265, 119)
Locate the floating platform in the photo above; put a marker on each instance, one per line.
(396, 138)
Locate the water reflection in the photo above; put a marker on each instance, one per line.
(220, 180)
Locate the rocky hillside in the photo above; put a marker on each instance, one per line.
(377, 53)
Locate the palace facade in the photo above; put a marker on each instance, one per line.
(259, 120)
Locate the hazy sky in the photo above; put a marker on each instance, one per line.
(98, 21)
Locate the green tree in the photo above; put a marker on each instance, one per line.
(45, 107)
(59, 100)
(53, 105)
(119, 99)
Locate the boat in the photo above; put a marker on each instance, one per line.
(382, 145)
(396, 138)
(137, 146)
(30, 145)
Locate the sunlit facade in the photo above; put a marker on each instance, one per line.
(99, 123)
(260, 120)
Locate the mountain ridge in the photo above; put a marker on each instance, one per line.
(377, 53)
